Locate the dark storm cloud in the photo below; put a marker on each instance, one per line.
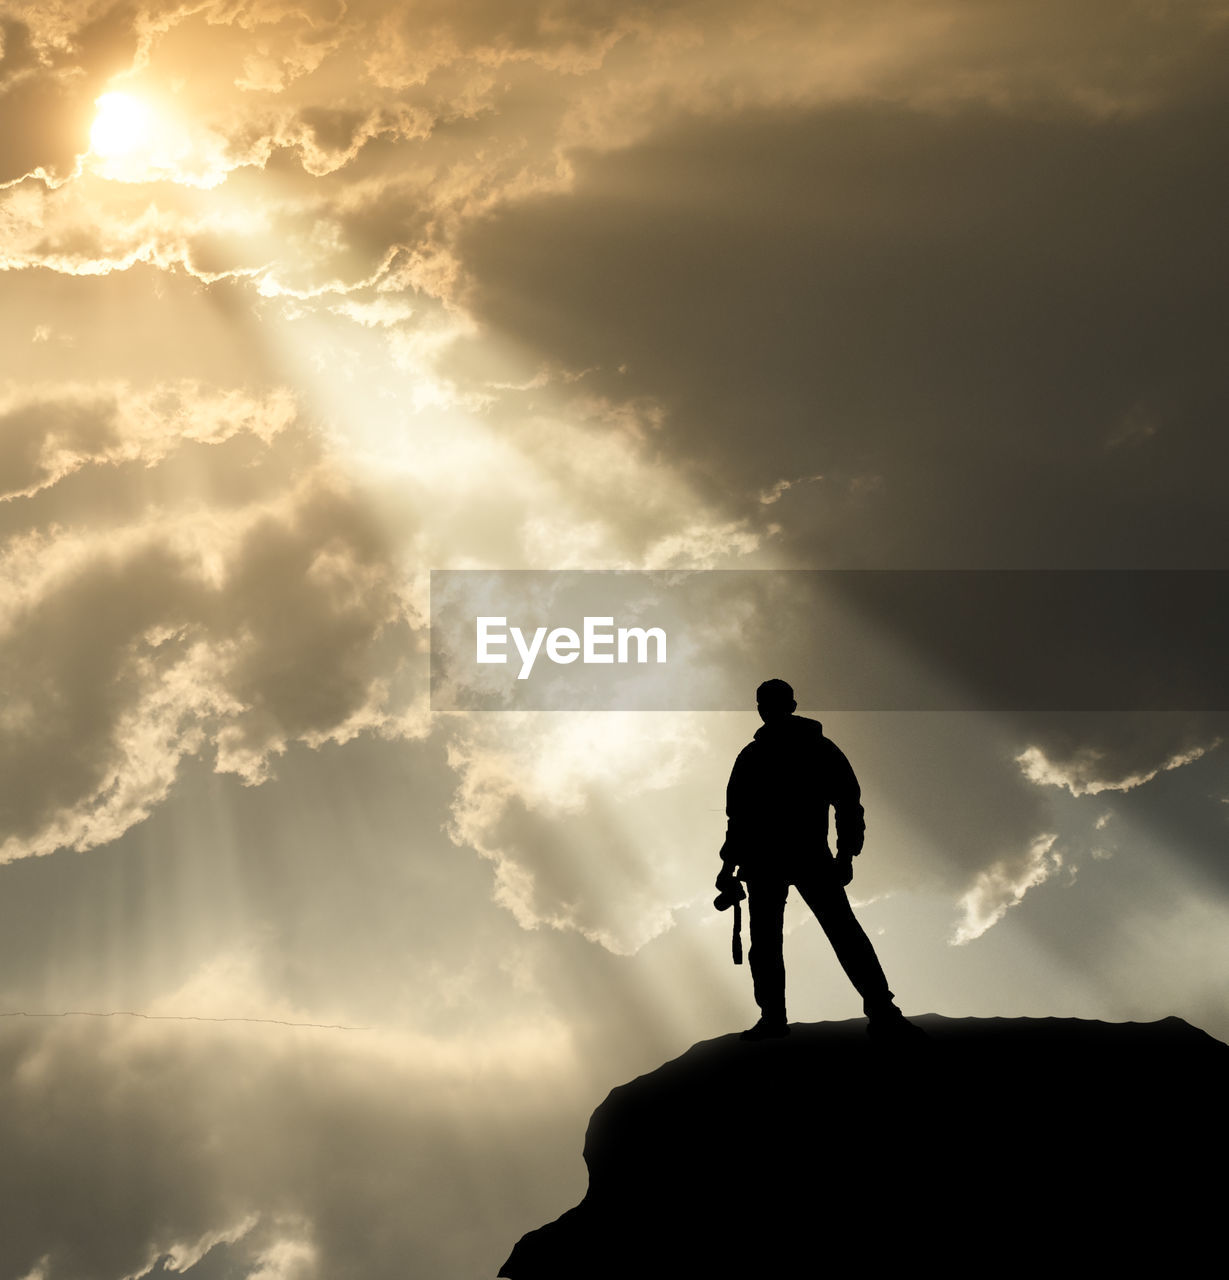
(992, 334)
(1185, 811)
(981, 333)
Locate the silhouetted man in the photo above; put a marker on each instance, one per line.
(777, 802)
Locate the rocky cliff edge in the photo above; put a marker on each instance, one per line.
(989, 1143)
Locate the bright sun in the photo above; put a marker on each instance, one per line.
(121, 127)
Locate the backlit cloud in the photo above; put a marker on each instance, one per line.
(594, 821)
(234, 630)
(1003, 885)
(47, 433)
(331, 294)
(227, 1143)
(54, 61)
(1094, 761)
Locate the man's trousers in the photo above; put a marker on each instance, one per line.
(766, 896)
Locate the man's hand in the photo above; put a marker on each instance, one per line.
(727, 881)
(842, 865)
(730, 892)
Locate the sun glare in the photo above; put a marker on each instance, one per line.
(121, 127)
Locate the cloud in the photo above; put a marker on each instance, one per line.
(295, 1155)
(1003, 885)
(447, 111)
(778, 489)
(50, 74)
(1084, 773)
(885, 308)
(553, 283)
(1088, 755)
(46, 433)
(886, 289)
(937, 285)
(238, 629)
(586, 816)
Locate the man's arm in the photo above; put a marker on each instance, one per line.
(850, 819)
(731, 849)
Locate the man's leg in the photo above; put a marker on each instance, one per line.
(766, 906)
(853, 948)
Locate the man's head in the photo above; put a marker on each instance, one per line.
(775, 700)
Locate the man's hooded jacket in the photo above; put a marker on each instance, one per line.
(778, 796)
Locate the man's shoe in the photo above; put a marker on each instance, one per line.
(888, 1023)
(767, 1029)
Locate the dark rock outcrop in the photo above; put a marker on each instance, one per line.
(991, 1144)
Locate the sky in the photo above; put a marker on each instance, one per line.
(304, 978)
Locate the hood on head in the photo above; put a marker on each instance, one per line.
(789, 726)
